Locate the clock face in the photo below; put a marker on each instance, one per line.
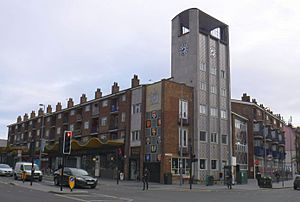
(212, 52)
(183, 49)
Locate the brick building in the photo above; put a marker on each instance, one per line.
(142, 122)
(266, 139)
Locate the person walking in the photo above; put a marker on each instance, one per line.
(145, 178)
(229, 181)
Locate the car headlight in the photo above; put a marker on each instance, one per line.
(79, 178)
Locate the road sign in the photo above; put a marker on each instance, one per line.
(71, 182)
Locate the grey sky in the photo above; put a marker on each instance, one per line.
(52, 50)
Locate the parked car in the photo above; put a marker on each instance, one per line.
(25, 167)
(6, 170)
(297, 182)
(82, 178)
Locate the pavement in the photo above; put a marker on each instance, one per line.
(47, 186)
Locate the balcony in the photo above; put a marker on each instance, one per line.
(275, 154)
(184, 121)
(258, 151)
(94, 130)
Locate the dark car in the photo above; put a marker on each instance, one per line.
(82, 178)
(297, 182)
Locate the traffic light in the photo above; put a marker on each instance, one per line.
(67, 142)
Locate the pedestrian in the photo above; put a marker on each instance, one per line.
(229, 181)
(145, 178)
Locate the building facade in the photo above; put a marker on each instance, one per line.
(129, 130)
(200, 59)
(266, 139)
(290, 149)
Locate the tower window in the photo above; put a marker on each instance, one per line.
(184, 30)
(216, 33)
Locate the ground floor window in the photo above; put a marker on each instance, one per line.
(176, 166)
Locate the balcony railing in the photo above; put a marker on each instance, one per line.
(275, 154)
(114, 108)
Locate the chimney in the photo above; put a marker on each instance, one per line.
(98, 93)
(245, 97)
(58, 107)
(70, 103)
(83, 99)
(262, 106)
(254, 101)
(25, 118)
(135, 81)
(32, 115)
(19, 119)
(115, 88)
(40, 112)
(49, 109)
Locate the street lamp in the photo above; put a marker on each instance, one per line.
(41, 135)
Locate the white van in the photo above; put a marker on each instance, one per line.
(21, 167)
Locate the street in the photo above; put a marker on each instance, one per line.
(108, 190)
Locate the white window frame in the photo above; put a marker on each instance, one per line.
(58, 131)
(223, 92)
(72, 113)
(203, 66)
(213, 70)
(123, 117)
(223, 114)
(226, 139)
(214, 137)
(211, 164)
(184, 105)
(203, 86)
(183, 138)
(205, 164)
(213, 112)
(202, 109)
(104, 103)
(103, 121)
(204, 136)
(71, 127)
(59, 116)
(136, 108)
(124, 98)
(87, 108)
(135, 135)
(213, 89)
(86, 125)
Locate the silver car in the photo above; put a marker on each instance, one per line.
(6, 170)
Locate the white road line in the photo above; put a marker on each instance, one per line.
(68, 197)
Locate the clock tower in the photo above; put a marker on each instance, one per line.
(200, 58)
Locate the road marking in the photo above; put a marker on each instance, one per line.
(69, 197)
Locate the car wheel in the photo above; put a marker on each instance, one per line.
(40, 179)
(295, 187)
(56, 182)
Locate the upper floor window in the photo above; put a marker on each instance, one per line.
(104, 103)
(202, 136)
(183, 137)
(214, 137)
(223, 114)
(104, 121)
(214, 164)
(123, 97)
(213, 70)
(59, 116)
(222, 74)
(224, 139)
(223, 92)
(203, 86)
(87, 108)
(203, 66)
(213, 89)
(183, 109)
(135, 135)
(86, 125)
(202, 109)
(72, 112)
(136, 108)
(213, 112)
(123, 116)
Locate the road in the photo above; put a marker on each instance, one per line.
(132, 191)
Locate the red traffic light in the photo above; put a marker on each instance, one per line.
(69, 134)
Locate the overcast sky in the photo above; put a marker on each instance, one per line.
(55, 49)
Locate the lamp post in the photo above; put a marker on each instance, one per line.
(41, 135)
